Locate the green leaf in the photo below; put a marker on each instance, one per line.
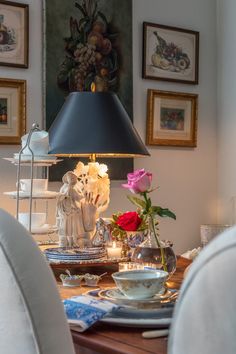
(81, 9)
(137, 201)
(83, 20)
(163, 212)
(103, 17)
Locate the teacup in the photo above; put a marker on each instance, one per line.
(39, 185)
(140, 284)
(39, 143)
(37, 219)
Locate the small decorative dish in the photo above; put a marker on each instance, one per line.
(71, 280)
(92, 279)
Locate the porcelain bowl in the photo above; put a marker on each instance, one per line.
(140, 284)
(71, 280)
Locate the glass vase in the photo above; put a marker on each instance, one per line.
(155, 251)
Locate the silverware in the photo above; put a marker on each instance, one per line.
(155, 334)
(171, 299)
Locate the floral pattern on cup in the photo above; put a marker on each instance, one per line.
(140, 284)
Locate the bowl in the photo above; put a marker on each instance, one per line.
(91, 279)
(140, 284)
(71, 280)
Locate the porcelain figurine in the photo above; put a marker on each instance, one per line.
(84, 194)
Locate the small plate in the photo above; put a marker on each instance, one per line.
(138, 323)
(40, 195)
(115, 295)
(45, 229)
(25, 157)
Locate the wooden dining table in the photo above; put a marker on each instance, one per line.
(105, 338)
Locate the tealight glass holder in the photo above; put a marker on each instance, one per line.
(114, 250)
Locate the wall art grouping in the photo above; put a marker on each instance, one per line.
(171, 54)
(85, 42)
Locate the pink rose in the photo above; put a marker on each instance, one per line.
(139, 181)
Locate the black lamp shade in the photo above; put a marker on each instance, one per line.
(94, 123)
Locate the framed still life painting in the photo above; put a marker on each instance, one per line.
(14, 32)
(171, 119)
(87, 42)
(170, 53)
(12, 110)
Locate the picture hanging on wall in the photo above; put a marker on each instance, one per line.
(87, 42)
(12, 110)
(171, 118)
(170, 53)
(14, 34)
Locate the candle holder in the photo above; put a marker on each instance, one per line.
(114, 250)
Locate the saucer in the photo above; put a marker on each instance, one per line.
(44, 229)
(39, 194)
(26, 157)
(116, 296)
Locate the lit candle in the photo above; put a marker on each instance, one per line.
(113, 251)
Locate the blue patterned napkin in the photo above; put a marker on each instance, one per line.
(83, 311)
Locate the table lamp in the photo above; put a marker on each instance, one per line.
(89, 124)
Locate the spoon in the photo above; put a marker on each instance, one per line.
(102, 274)
(68, 272)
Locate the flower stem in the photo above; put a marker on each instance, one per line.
(163, 260)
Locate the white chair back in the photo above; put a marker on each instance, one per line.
(32, 319)
(204, 319)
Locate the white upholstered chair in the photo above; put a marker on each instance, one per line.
(32, 319)
(204, 319)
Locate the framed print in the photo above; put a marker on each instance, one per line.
(12, 110)
(171, 118)
(87, 42)
(14, 34)
(170, 53)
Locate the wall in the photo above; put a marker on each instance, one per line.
(186, 177)
(226, 28)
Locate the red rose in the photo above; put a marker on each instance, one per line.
(129, 221)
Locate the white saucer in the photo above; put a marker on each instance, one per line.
(115, 295)
(40, 195)
(136, 322)
(45, 229)
(25, 157)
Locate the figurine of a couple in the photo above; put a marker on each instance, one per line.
(78, 207)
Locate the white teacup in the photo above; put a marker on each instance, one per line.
(37, 219)
(39, 143)
(39, 185)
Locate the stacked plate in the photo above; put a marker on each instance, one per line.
(155, 312)
(75, 253)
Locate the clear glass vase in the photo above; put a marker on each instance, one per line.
(154, 251)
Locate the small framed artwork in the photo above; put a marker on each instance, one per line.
(170, 53)
(12, 110)
(171, 118)
(14, 30)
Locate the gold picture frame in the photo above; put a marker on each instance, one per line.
(12, 110)
(171, 118)
(14, 34)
